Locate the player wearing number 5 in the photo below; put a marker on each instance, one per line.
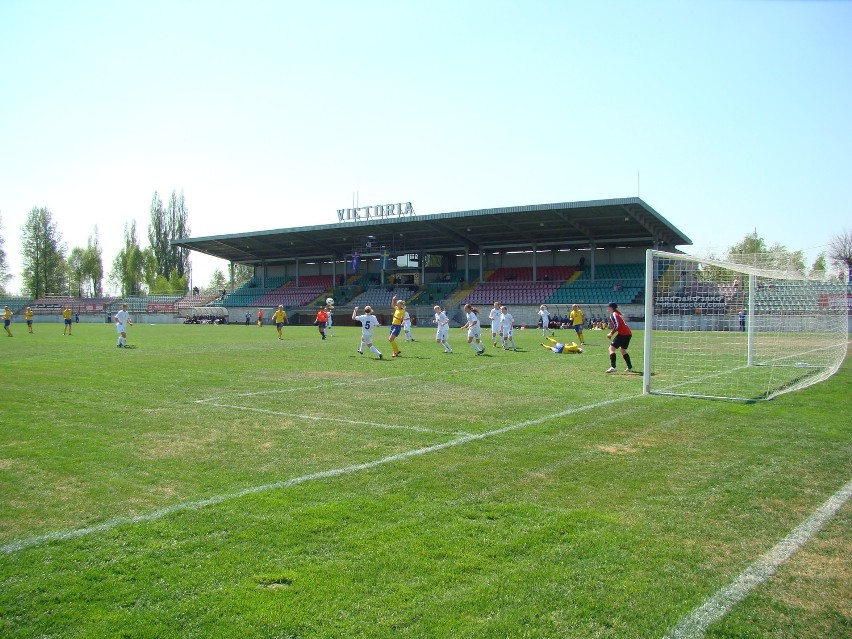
(368, 322)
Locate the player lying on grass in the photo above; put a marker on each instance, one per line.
(559, 347)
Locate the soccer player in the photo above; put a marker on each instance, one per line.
(28, 315)
(622, 334)
(406, 327)
(66, 315)
(322, 318)
(545, 320)
(443, 331)
(122, 319)
(507, 328)
(368, 322)
(279, 317)
(494, 316)
(558, 347)
(7, 319)
(474, 330)
(260, 317)
(396, 324)
(329, 322)
(577, 319)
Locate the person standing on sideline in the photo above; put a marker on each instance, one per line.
(443, 331)
(66, 315)
(368, 323)
(577, 319)
(622, 334)
(122, 319)
(396, 324)
(474, 329)
(279, 317)
(248, 318)
(545, 320)
(260, 317)
(742, 316)
(494, 316)
(406, 327)
(322, 318)
(329, 322)
(507, 328)
(28, 315)
(7, 320)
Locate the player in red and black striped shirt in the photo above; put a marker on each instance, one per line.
(622, 334)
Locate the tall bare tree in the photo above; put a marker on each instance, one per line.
(840, 252)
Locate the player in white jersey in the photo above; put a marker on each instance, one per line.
(122, 319)
(406, 327)
(368, 322)
(545, 320)
(443, 331)
(494, 316)
(474, 330)
(507, 329)
(328, 323)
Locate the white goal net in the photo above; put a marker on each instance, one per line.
(741, 331)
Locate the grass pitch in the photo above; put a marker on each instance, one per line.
(215, 481)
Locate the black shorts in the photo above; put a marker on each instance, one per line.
(621, 341)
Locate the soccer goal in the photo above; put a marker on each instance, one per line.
(746, 331)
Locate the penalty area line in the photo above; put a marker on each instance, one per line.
(38, 540)
(339, 420)
(695, 625)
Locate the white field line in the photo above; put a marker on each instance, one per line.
(340, 420)
(716, 607)
(39, 540)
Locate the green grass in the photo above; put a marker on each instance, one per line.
(513, 495)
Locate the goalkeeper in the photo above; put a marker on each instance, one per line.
(559, 347)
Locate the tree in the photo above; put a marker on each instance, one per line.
(93, 266)
(820, 266)
(754, 251)
(43, 255)
(75, 272)
(217, 281)
(4, 267)
(840, 252)
(242, 274)
(127, 273)
(167, 225)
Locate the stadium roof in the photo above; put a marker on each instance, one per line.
(626, 222)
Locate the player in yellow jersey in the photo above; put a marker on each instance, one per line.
(396, 324)
(66, 315)
(28, 315)
(279, 317)
(577, 319)
(7, 319)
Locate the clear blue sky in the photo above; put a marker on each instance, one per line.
(735, 115)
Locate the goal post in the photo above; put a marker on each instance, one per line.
(746, 330)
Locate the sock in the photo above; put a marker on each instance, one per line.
(394, 347)
(612, 360)
(627, 359)
(474, 346)
(375, 350)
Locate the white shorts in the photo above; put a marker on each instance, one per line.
(442, 333)
(120, 328)
(508, 333)
(367, 337)
(495, 327)
(474, 332)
